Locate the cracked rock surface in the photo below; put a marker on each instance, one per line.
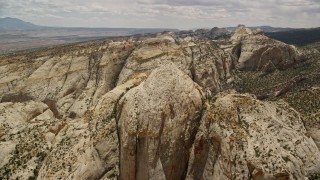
(157, 125)
(243, 138)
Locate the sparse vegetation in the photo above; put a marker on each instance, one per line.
(285, 158)
(314, 177)
(304, 96)
(258, 153)
(32, 178)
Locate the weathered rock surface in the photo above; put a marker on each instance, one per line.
(24, 143)
(244, 138)
(157, 125)
(89, 147)
(146, 110)
(202, 60)
(255, 51)
(74, 80)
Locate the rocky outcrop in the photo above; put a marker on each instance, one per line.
(74, 80)
(157, 125)
(89, 147)
(255, 51)
(202, 60)
(244, 138)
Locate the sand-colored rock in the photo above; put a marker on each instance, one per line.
(244, 138)
(80, 76)
(88, 147)
(202, 60)
(22, 143)
(157, 123)
(255, 51)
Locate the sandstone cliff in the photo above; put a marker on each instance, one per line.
(157, 108)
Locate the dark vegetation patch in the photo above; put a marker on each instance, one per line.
(17, 97)
(72, 115)
(298, 36)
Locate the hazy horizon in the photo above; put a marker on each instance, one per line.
(178, 14)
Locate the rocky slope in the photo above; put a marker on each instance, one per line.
(154, 108)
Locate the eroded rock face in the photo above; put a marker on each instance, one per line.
(75, 80)
(157, 124)
(257, 52)
(89, 147)
(244, 138)
(202, 60)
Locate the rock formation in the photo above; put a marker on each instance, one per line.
(255, 51)
(212, 34)
(154, 108)
(244, 138)
(202, 60)
(157, 125)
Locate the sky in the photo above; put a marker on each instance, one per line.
(180, 14)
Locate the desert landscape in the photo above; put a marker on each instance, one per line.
(159, 103)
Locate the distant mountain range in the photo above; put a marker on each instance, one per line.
(18, 24)
(14, 23)
(9, 23)
(265, 28)
(16, 34)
